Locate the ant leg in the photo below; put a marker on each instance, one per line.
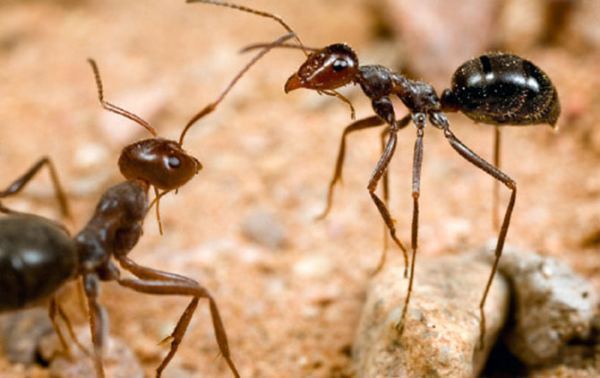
(379, 170)
(414, 234)
(52, 311)
(479, 162)
(362, 124)
(385, 185)
(20, 183)
(152, 281)
(144, 272)
(65, 318)
(496, 190)
(98, 324)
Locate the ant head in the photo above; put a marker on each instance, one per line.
(160, 162)
(329, 68)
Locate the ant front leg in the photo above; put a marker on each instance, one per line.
(385, 110)
(22, 181)
(378, 172)
(152, 281)
(97, 317)
(385, 186)
(362, 124)
(497, 174)
(386, 196)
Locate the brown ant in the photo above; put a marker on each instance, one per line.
(38, 256)
(496, 88)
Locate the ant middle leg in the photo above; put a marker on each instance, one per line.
(496, 189)
(152, 281)
(22, 181)
(52, 312)
(414, 234)
(497, 174)
(97, 318)
(362, 124)
(55, 309)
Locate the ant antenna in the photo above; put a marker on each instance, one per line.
(256, 46)
(113, 108)
(256, 12)
(287, 27)
(213, 105)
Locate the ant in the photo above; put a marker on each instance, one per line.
(38, 256)
(496, 88)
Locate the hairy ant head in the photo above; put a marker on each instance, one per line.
(160, 162)
(327, 69)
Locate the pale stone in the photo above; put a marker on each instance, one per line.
(441, 332)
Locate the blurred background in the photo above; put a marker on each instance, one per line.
(290, 289)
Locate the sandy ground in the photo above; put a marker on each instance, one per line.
(290, 310)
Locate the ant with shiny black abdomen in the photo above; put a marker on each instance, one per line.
(38, 256)
(496, 88)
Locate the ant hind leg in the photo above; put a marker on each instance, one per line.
(152, 281)
(22, 181)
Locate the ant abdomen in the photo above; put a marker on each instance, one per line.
(502, 89)
(37, 256)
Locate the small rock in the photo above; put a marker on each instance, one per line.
(441, 332)
(21, 331)
(553, 306)
(265, 229)
(90, 155)
(313, 267)
(118, 360)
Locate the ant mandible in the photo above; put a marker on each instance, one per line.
(496, 88)
(38, 256)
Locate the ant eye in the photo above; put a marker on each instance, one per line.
(340, 65)
(173, 162)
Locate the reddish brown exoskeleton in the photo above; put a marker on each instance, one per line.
(38, 256)
(496, 88)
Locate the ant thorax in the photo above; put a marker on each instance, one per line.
(375, 81)
(115, 227)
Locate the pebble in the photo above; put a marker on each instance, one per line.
(264, 228)
(553, 306)
(118, 360)
(441, 332)
(21, 332)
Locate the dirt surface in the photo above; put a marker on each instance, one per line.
(291, 310)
